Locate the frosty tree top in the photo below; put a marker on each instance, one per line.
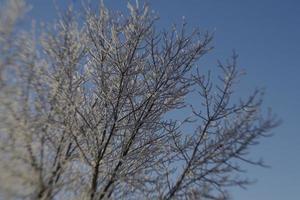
(84, 110)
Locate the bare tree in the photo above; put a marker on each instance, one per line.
(88, 110)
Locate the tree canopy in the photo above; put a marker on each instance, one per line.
(85, 110)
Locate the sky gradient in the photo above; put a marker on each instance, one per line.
(266, 35)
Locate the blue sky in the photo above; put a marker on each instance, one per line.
(266, 35)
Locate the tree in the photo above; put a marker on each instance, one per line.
(86, 110)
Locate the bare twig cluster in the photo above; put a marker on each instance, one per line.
(85, 111)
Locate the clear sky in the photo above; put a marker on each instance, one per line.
(266, 35)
